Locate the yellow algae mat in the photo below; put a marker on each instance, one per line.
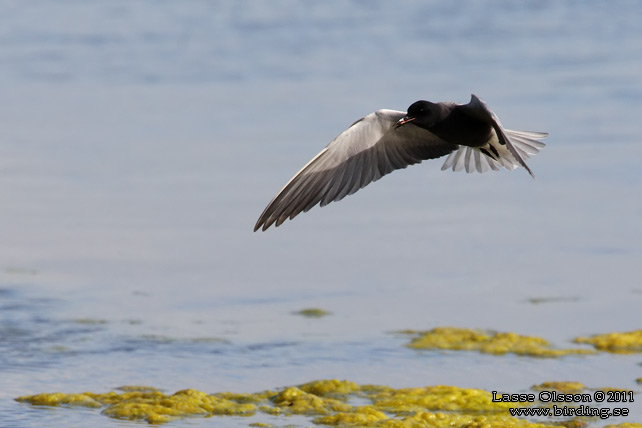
(626, 342)
(344, 403)
(498, 343)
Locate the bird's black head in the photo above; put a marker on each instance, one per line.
(423, 113)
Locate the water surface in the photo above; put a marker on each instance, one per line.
(139, 142)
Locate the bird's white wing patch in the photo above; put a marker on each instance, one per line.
(473, 159)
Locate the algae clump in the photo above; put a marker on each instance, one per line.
(59, 399)
(312, 313)
(160, 408)
(448, 420)
(627, 342)
(325, 402)
(625, 425)
(489, 342)
(360, 416)
(150, 405)
(298, 401)
(330, 387)
(565, 387)
(440, 397)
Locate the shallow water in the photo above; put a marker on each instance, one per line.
(140, 141)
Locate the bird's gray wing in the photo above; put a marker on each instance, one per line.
(520, 144)
(369, 149)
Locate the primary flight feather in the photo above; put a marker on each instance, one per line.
(381, 142)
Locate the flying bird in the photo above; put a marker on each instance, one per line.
(381, 142)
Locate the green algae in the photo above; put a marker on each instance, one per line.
(489, 342)
(440, 397)
(326, 402)
(330, 387)
(255, 398)
(297, 401)
(333, 402)
(312, 313)
(624, 343)
(500, 343)
(625, 425)
(565, 387)
(358, 416)
(60, 399)
(146, 404)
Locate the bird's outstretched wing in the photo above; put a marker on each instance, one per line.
(510, 150)
(369, 149)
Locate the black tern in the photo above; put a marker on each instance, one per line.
(381, 142)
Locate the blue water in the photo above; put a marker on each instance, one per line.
(140, 141)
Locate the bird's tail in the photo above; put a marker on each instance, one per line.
(494, 155)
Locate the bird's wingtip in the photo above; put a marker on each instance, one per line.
(261, 224)
(530, 172)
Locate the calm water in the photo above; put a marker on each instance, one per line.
(139, 142)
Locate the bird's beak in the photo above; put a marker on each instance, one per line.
(404, 120)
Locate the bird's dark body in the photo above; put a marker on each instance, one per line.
(453, 123)
(458, 128)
